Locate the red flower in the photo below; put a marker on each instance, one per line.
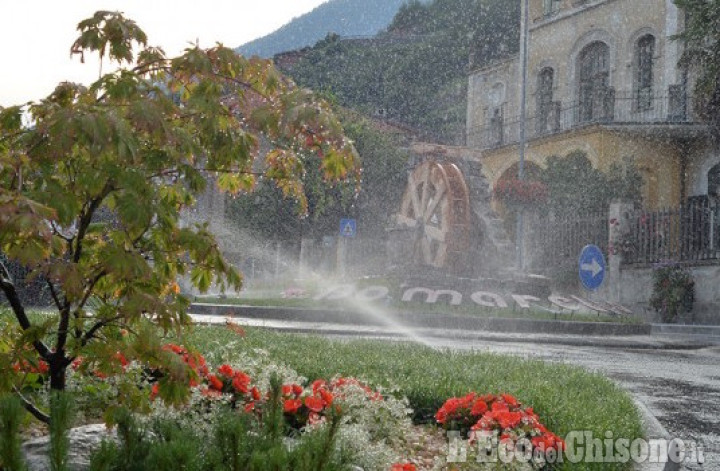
(226, 370)
(292, 405)
(403, 467)
(510, 400)
(315, 418)
(326, 396)
(154, 391)
(215, 383)
(255, 392)
(315, 404)
(297, 389)
(287, 390)
(76, 363)
(240, 384)
(479, 408)
(121, 358)
(508, 419)
(318, 384)
(547, 441)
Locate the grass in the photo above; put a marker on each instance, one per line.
(566, 398)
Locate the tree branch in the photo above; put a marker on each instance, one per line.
(90, 334)
(30, 407)
(11, 294)
(54, 295)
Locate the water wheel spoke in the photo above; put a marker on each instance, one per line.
(433, 203)
(435, 233)
(427, 182)
(415, 201)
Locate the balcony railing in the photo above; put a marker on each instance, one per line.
(604, 106)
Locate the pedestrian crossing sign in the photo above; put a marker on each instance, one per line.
(348, 228)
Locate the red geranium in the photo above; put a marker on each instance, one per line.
(291, 406)
(315, 404)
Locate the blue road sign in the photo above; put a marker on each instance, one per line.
(591, 267)
(348, 228)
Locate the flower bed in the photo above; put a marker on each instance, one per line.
(368, 382)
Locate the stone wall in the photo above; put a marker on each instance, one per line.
(635, 286)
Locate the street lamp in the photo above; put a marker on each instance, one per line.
(524, 33)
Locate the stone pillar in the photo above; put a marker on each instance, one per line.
(341, 264)
(618, 231)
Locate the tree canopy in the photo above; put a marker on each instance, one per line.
(92, 190)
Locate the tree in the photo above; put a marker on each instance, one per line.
(136, 147)
(575, 185)
(268, 216)
(702, 52)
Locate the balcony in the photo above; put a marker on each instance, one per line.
(607, 107)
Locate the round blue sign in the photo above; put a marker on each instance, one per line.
(591, 267)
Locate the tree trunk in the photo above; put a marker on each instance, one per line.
(58, 368)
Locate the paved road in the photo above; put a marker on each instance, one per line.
(680, 387)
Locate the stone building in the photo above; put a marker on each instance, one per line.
(603, 78)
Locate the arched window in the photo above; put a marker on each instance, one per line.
(545, 100)
(644, 57)
(595, 95)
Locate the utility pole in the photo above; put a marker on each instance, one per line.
(524, 34)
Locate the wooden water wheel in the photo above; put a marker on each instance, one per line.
(436, 205)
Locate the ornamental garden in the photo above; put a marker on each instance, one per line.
(91, 197)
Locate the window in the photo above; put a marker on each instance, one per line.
(550, 7)
(545, 100)
(595, 96)
(644, 56)
(714, 181)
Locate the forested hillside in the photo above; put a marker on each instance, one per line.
(415, 73)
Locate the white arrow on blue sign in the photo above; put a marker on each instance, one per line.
(348, 228)
(592, 267)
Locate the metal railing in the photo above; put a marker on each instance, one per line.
(689, 233)
(605, 106)
(555, 241)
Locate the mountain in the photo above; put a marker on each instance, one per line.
(342, 17)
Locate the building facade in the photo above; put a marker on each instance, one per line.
(602, 78)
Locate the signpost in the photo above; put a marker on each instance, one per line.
(591, 267)
(348, 228)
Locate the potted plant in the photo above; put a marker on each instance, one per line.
(673, 291)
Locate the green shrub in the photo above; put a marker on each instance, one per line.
(11, 414)
(61, 414)
(673, 291)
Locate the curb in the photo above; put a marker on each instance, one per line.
(683, 329)
(427, 336)
(424, 320)
(653, 429)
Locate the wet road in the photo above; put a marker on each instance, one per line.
(680, 387)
